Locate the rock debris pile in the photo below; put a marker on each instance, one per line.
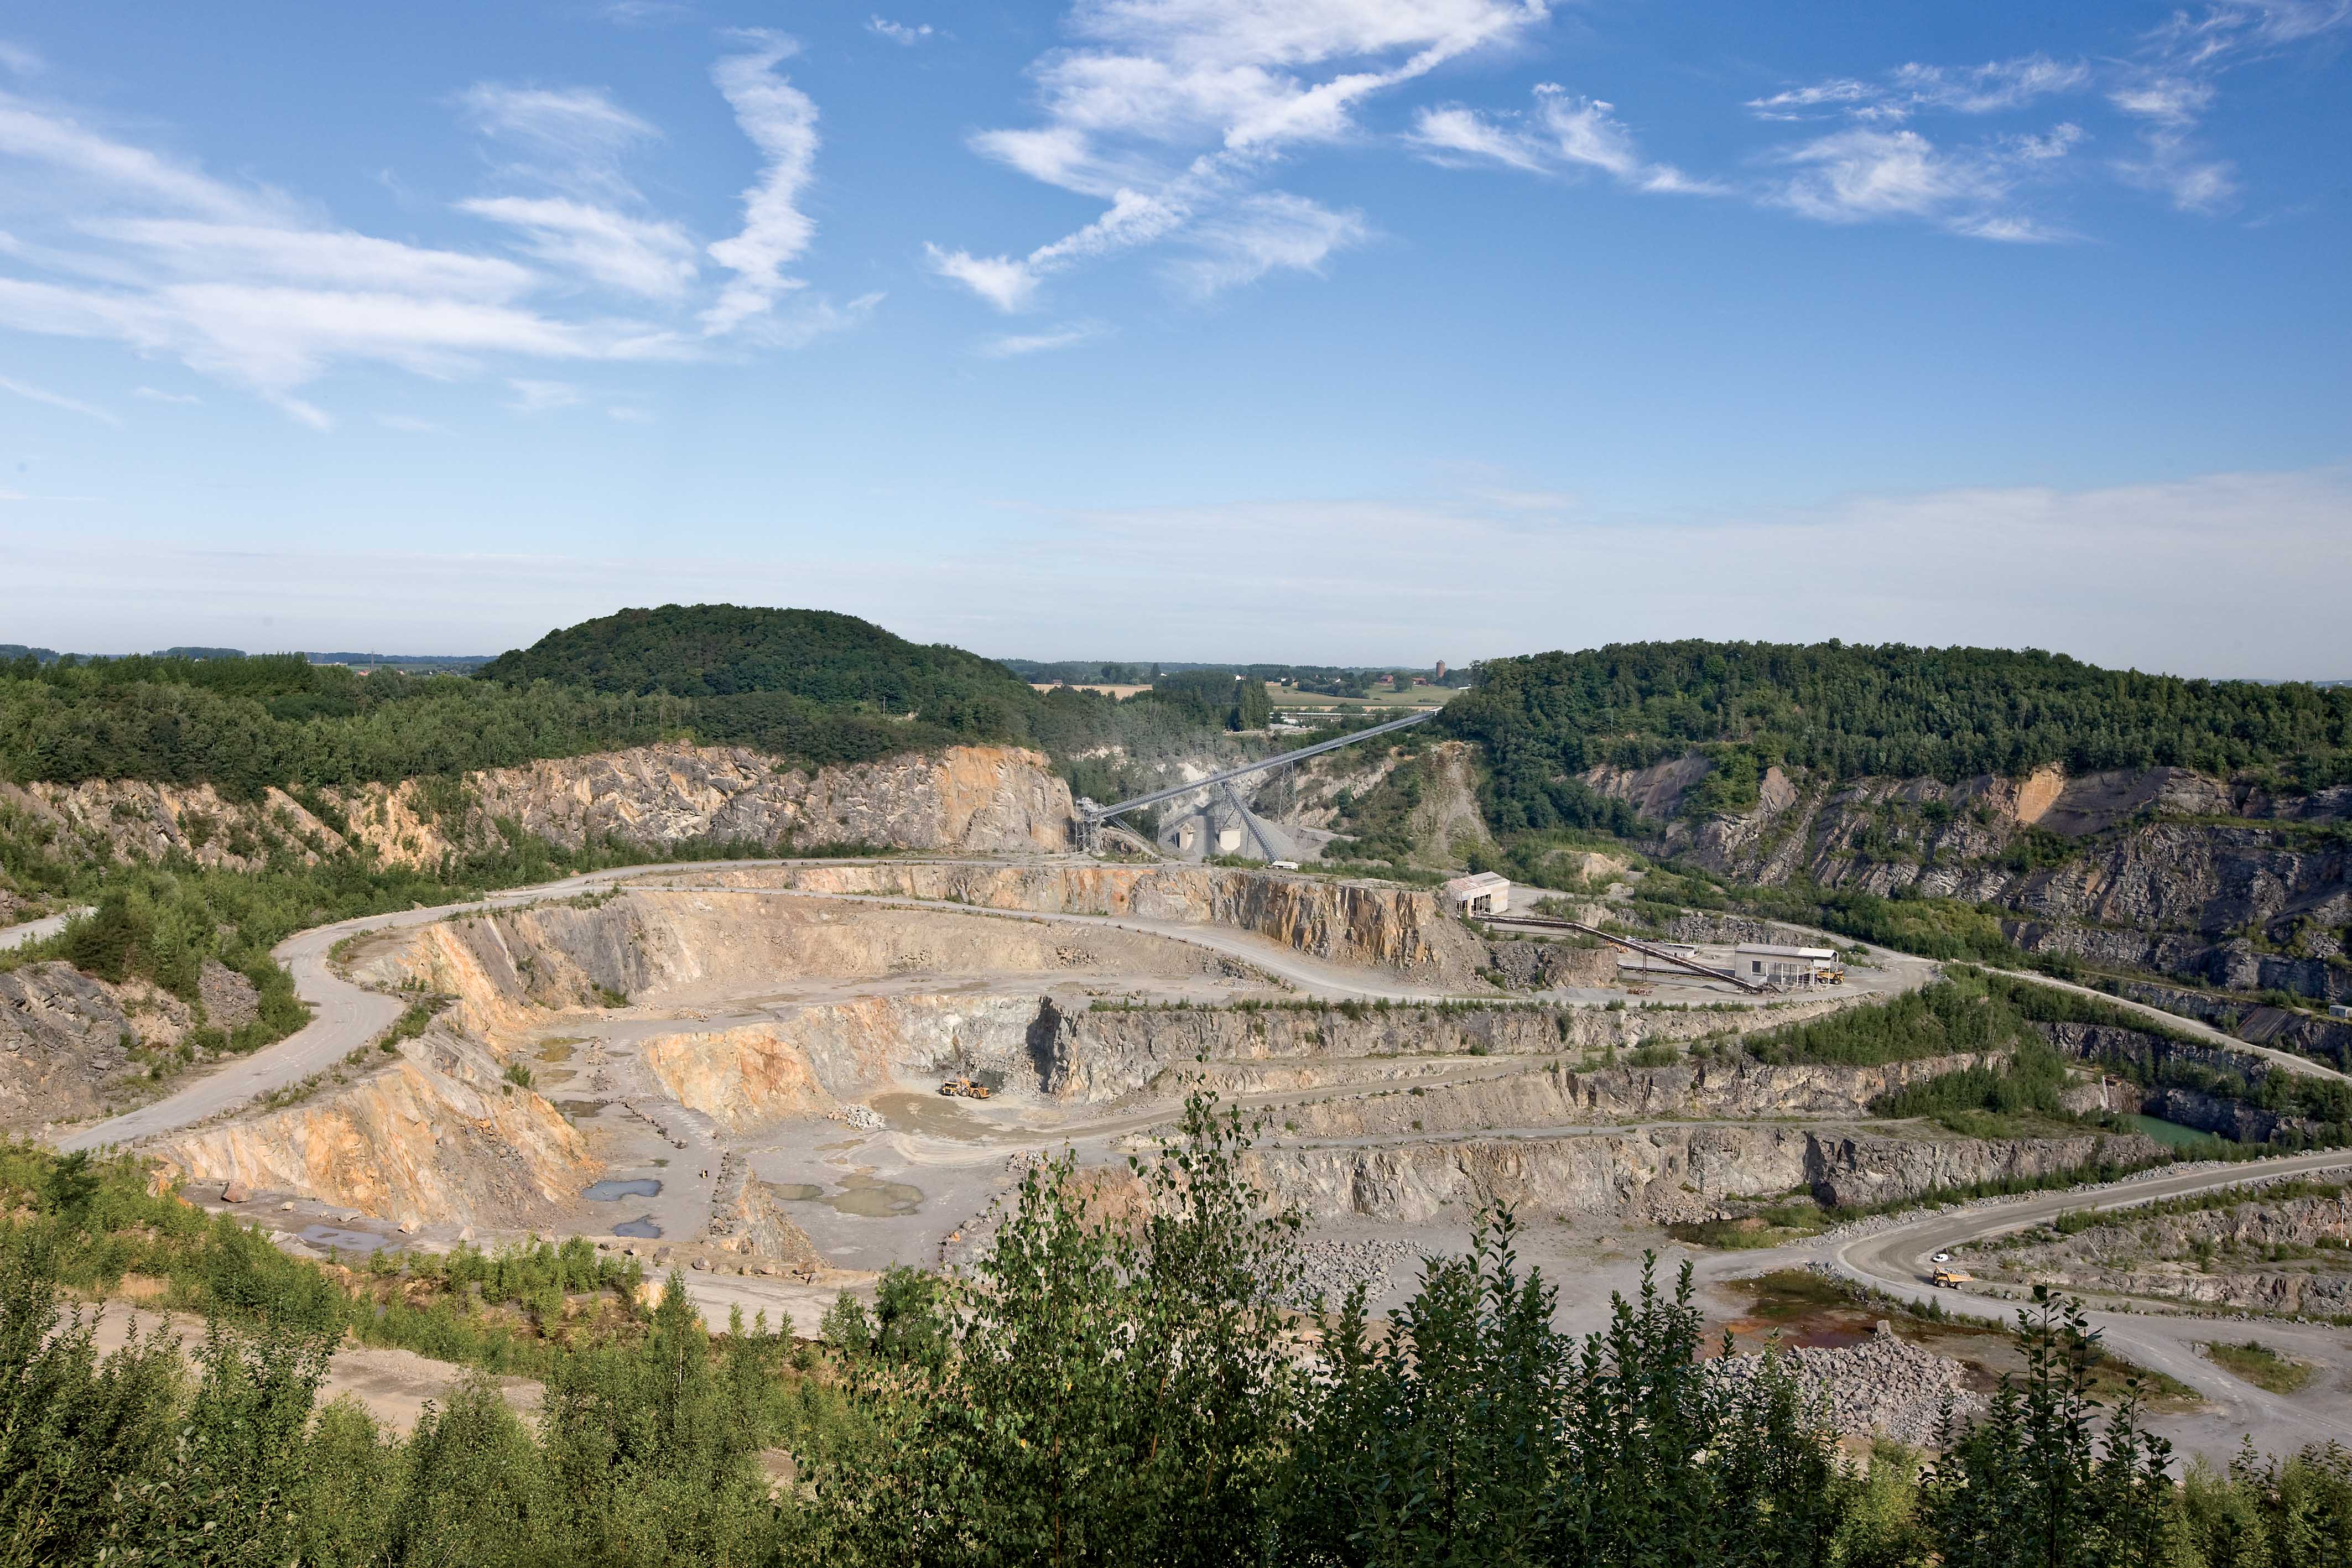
(1332, 1269)
(1882, 1386)
(859, 1118)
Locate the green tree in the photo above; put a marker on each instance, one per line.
(2037, 1483)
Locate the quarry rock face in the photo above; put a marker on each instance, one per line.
(62, 1036)
(967, 798)
(1860, 1169)
(230, 1001)
(1100, 1053)
(1657, 1173)
(436, 1136)
(131, 819)
(2160, 1255)
(504, 970)
(978, 799)
(806, 1062)
(1401, 930)
(2167, 869)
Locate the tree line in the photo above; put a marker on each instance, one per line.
(1890, 711)
(1125, 1378)
(247, 724)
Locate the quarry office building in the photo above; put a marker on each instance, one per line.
(1764, 964)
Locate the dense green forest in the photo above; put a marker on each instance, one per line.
(801, 684)
(725, 650)
(1891, 711)
(1095, 1391)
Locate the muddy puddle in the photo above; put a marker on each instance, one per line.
(862, 1193)
(643, 1228)
(1816, 1334)
(614, 1191)
(796, 1191)
(581, 1110)
(342, 1241)
(559, 1049)
(934, 1116)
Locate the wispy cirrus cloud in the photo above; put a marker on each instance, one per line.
(1864, 174)
(1563, 133)
(1019, 345)
(650, 257)
(1172, 111)
(532, 396)
(32, 393)
(903, 34)
(1911, 88)
(112, 240)
(781, 121)
(2168, 86)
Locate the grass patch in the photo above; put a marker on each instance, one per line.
(1777, 1226)
(2261, 1366)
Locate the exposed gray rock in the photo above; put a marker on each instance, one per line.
(230, 1001)
(1885, 1386)
(62, 1036)
(2157, 882)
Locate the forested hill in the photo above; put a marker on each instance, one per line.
(804, 686)
(727, 650)
(1890, 711)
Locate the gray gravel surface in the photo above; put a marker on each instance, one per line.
(1885, 1386)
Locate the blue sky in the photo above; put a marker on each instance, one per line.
(1333, 330)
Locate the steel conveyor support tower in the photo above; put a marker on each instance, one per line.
(1091, 816)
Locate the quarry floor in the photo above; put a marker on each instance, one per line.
(871, 1197)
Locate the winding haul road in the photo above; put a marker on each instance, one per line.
(1897, 1260)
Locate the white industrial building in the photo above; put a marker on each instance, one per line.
(1481, 893)
(1764, 964)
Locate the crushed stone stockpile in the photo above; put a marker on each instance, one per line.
(1332, 1269)
(1883, 1385)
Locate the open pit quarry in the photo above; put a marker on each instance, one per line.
(736, 1066)
(734, 1069)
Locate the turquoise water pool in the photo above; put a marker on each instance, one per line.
(2165, 1132)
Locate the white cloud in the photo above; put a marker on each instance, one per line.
(573, 137)
(1169, 110)
(115, 170)
(1271, 232)
(537, 396)
(155, 394)
(653, 260)
(643, 13)
(1014, 345)
(57, 400)
(2170, 83)
(1453, 132)
(1563, 132)
(197, 249)
(23, 61)
(898, 32)
(1005, 282)
(780, 121)
(113, 241)
(1856, 175)
(1992, 87)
